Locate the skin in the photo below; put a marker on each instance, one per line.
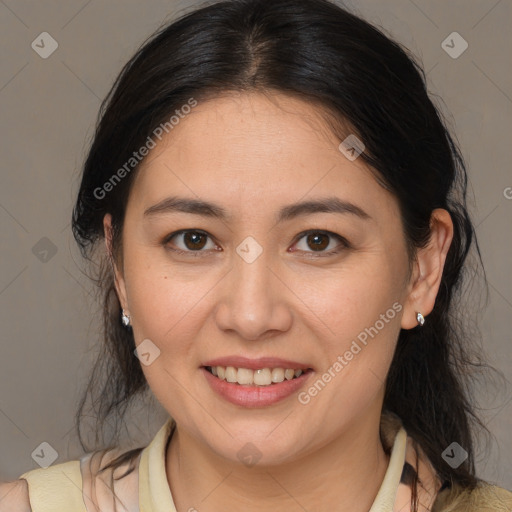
(253, 154)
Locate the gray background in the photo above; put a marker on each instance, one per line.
(49, 106)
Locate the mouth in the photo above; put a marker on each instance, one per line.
(262, 377)
(255, 388)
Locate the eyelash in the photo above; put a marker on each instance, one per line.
(344, 244)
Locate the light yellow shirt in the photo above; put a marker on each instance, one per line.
(75, 487)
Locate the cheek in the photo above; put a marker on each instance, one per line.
(360, 306)
(163, 299)
(355, 297)
(165, 305)
(362, 317)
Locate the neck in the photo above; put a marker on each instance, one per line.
(344, 475)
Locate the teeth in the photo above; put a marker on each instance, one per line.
(248, 377)
(244, 376)
(289, 374)
(262, 377)
(231, 374)
(277, 375)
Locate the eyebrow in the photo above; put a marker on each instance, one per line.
(208, 209)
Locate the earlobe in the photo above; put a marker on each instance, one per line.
(429, 266)
(107, 233)
(118, 277)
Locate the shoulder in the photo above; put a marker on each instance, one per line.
(484, 498)
(88, 483)
(492, 497)
(78, 485)
(55, 488)
(14, 496)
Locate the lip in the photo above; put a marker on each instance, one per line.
(256, 364)
(254, 396)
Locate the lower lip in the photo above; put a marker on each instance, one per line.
(255, 396)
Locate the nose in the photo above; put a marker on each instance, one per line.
(254, 301)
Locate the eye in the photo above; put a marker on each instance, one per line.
(319, 242)
(192, 241)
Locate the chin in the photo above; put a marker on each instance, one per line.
(258, 447)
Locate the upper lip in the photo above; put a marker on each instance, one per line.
(256, 364)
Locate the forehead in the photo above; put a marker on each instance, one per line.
(237, 127)
(253, 147)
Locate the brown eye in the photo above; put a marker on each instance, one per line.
(317, 242)
(323, 243)
(194, 240)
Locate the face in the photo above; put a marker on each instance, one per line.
(314, 288)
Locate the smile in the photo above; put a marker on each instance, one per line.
(255, 388)
(248, 377)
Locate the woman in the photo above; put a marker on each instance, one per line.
(284, 225)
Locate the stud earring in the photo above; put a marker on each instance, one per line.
(125, 319)
(420, 318)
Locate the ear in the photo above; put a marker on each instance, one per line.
(118, 276)
(428, 269)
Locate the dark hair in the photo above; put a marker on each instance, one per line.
(365, 84)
